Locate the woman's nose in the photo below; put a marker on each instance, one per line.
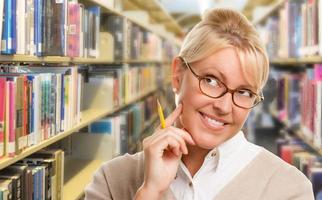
(223, 104)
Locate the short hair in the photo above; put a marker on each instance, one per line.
(223, 28)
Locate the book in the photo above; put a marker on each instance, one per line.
(54, 28)
(73, 29)
(94, 13)
(1, 17)
(9, 28)
(3, 92)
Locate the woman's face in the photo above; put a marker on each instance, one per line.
(211, 121)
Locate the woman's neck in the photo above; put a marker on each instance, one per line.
(194, 159)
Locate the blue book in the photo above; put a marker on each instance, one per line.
(35, 182)
(9, 28)
(39, 26)
(31, 106)
(316, 179)
(103, 126)
(41, 183)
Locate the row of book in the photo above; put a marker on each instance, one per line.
(109, 87)
(39, 176)
(297, 153)
(296, 31)
(68, 28)
(116, 134)
(299, 101)
(49, 28)
(36, 105)
(132, 42)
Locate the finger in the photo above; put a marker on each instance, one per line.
(184, 134)
(173, 116)
(181, 141)
(166, 143)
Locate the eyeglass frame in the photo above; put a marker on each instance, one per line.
(231, 91)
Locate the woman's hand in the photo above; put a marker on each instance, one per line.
(162, 153)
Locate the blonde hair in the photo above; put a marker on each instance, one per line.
(223, 28)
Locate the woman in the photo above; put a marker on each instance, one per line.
(202, 153)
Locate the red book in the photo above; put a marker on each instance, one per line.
(287, 153)
(73, 29)
(2, 113)
(12, 117)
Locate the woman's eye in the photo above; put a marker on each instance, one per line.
(211, 81)
(245, 93)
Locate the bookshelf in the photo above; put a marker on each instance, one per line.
(78, 172)
(298, 132)
(274, 8)
(291, 30)
(157, 13)
(296, 61)
(87, 117)
(292, 33)
(69, 61)
(108, 9)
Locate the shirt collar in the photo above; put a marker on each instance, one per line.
(227, 150)
(219, 156)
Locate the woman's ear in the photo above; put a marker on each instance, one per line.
(177, 74)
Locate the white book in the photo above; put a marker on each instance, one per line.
(79, 97)
(320, 26)
(317, 140)
(117, 135)
(58, 102)
(37, 109)
(21, 27)
(98, 93)
(31, 27)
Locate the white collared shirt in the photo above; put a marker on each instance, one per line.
(220, 166)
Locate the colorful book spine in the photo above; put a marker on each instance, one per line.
(73, 29)
(3, 91)
(9, 29)
(11, 118)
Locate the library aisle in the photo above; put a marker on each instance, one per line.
(80, 80)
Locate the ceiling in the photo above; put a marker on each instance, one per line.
(187, 12)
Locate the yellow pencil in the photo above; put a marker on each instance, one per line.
(162, 121)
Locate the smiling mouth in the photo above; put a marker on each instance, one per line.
(212, 122)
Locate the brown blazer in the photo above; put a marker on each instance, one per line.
(266, 177)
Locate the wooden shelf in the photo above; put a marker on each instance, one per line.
(80, 60)
(159, 15)
(298, 133)
(87, 117)
(295, 61)
(69, 61)
(107, 8)
(78, 173)
(32, 59)
(267, 14)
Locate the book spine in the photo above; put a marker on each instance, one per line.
(12, 119)
(9, 30)
(3, 92)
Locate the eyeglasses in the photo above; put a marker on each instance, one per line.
(214, 88)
